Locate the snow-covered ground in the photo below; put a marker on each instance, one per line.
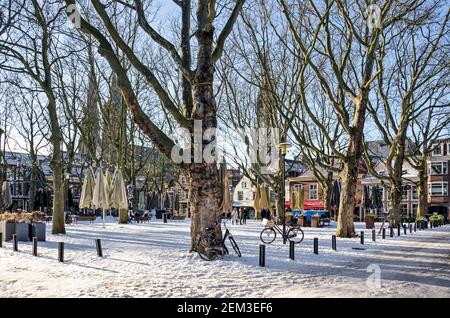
(152, 260)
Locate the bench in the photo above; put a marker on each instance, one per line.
(90, 218)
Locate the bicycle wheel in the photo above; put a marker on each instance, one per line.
(268, 235)
(235, 246)
(206, 253)
(296, 235)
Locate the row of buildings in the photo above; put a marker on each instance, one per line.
(437, 184)
(243, 191)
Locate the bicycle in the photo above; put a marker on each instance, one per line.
(294, 234)
(209, 249)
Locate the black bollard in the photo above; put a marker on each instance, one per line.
(391, 231)
(415, 226)
(374, 235)
(410, 228)
(333, 242)
(384, 234)
(165, 217)
(35, 242)
(404, 229)
(362, 237)
(291, 250)
(15, 246)
(98, 245)
(431, 225)
(398, 230)
(61, 252)
(316, 246)
(1, 239)
(262, 255)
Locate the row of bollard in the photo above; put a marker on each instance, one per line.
(412, 227)
(34, 247)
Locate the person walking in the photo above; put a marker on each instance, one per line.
(234, 216)
(244, 216)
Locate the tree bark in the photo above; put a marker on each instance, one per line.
(58, 226)
(349, 178)
(204, 201)
(422, 195)
(204, 177)
(123, 216)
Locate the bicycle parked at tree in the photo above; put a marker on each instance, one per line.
(294, 233)
(209, 249)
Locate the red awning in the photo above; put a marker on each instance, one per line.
(309, 205)
(314, 205)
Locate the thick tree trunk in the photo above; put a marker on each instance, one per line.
(205, 201)
(123, 216)
(327, 187)
(58, 226)
(32, 190)
(205, 187)
(349, 178)
(422, 208)
(396, 198)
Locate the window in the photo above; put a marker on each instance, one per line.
(313, 191)
(438, 189)
(414, 193)
(405, 192)
(253, 195)
(272, 196)
(438, 168)
(437, 151)
(244, 185)
(240, 196)
(404, 209)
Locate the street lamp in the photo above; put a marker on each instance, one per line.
(283, 150)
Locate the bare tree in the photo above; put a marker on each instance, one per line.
(413, 79)
(198, 94)
(29, 48)
(338, 44)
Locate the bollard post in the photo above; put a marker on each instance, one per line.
(404, 229)
(291, 250)
(391, 231)
(61, 252)
(398, 230)
(362, 237)
(98, 245)
(1, 239)
(262, 255)
(384, 234)
(415, 226)
(35, 242)
(410, 228)
(165, 217)
(15, 246)
(431, 225)
(373, 235)
(316, 246)
(333, 242)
